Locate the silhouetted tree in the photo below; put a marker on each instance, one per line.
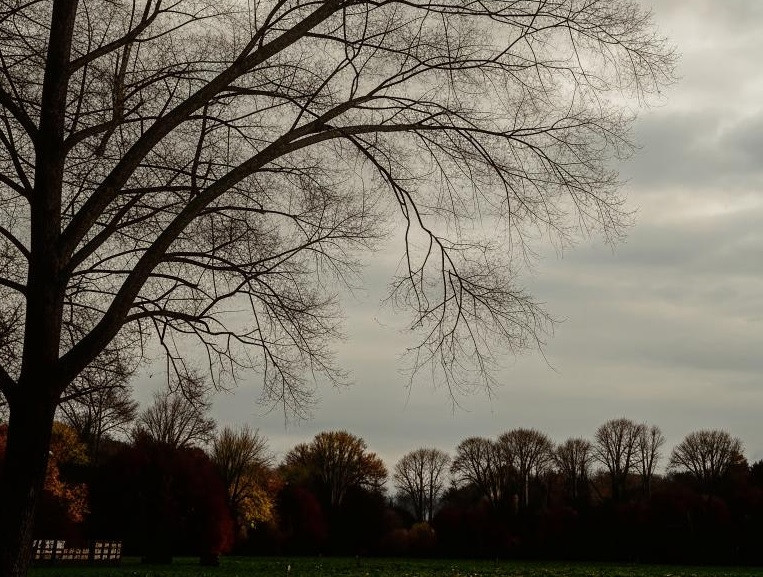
(481, 462)
(334, 462)
(650, 445)
(100, 411)
(528, 451)
(420, 477)
(179, 418)
(756, 473)
(163, 163)
(707, 455)
(616, 446)
(573, 459)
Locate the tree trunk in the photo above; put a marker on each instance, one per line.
(26, 460)
(33, 401)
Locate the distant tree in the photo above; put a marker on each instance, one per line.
(179, 418)
(334, 462)
(481, 463)
(573, 460)
(98, 413)
(99, 402)
(650, 445)
(529, 452)
(244, 463)
(707, 456)
(420, 477)
(616, 446)
(756, 473)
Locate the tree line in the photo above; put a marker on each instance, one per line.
(166, 482)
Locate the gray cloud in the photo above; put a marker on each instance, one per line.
(698, 150)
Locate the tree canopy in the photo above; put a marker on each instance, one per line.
(334, 462)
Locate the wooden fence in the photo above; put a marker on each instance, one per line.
(96, 553)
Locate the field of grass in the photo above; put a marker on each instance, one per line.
(332, 567)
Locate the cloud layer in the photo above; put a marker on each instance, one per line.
(666, 328)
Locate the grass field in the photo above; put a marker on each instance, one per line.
(331, 567)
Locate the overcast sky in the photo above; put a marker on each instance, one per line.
(666, 328)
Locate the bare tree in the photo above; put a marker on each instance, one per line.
(178, 417)
(165, 164)
(529, 451)
(616, 446)
(242, 458)
(650, 445)
(707, 456)
(336, 461)
(573, 460)
(99, 402)
(481, 462)
(98, 414)
(420, 477)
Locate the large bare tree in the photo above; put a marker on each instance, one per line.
(419, 477)
(166, 165)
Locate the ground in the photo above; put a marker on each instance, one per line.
(331, 567)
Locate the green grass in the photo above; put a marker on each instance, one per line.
(332, 567)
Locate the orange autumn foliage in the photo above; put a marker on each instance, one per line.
(65, 449)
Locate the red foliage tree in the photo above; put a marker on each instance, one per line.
(163, 500)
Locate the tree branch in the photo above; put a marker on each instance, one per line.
(7, 102)
(101, 198)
